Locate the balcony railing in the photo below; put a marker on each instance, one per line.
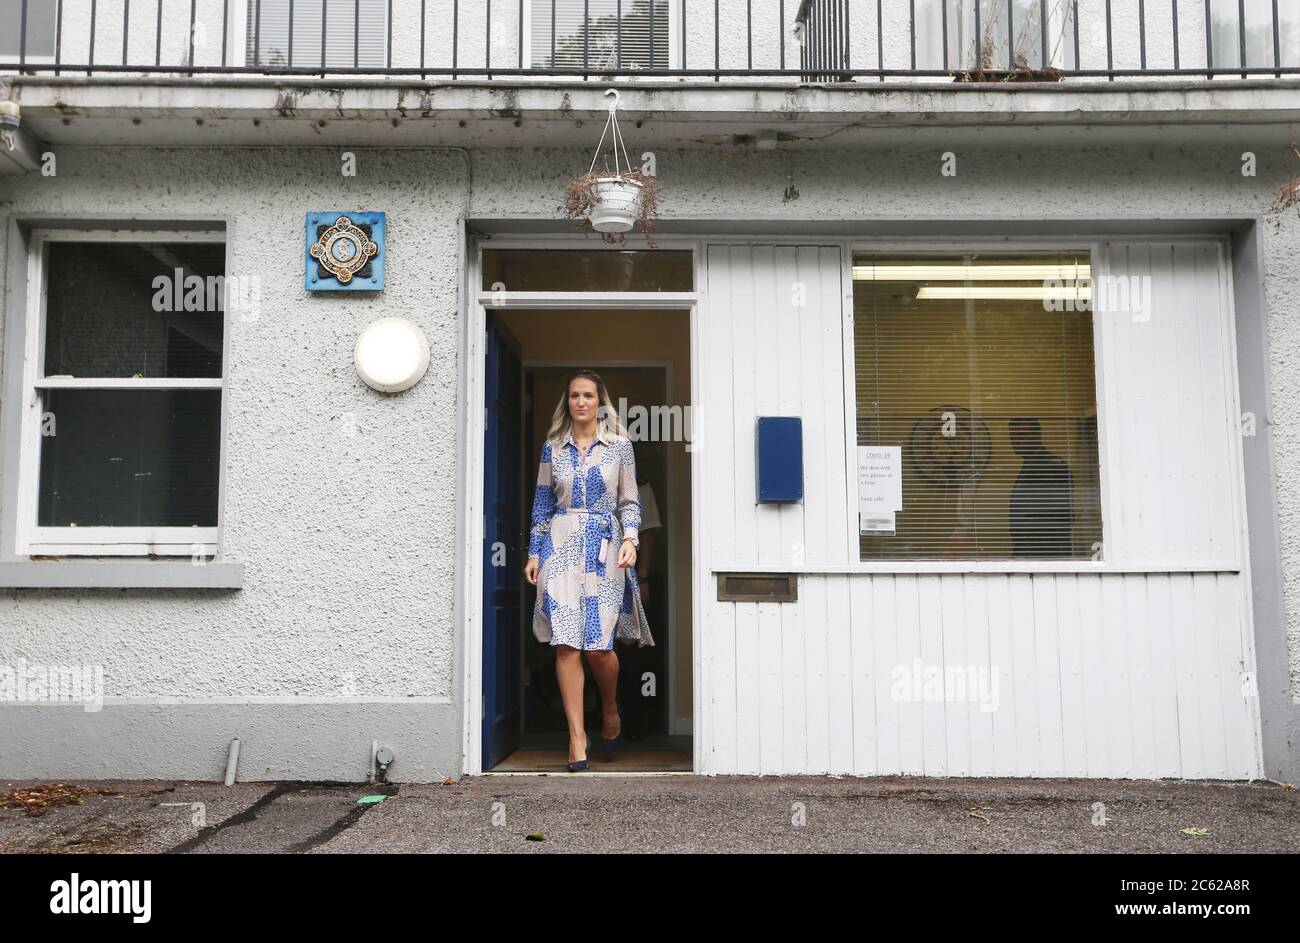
(778, 41)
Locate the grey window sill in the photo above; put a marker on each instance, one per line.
(120, 574)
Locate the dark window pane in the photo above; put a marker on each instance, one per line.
(976, 375)
(130, 458)
(587, 270)
(107, 315)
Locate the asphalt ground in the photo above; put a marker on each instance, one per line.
(585, 813)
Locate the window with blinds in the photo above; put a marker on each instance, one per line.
(346, 33)
(601, 34)
(41, 22)
(976, 407)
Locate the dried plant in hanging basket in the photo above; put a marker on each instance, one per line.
(1288, 195)
(612, 202)
(583, 198)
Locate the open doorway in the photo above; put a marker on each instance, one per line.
(644, 357)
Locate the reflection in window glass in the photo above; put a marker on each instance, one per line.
(1226, 33)
(601, 34)
(40, 29)
(355, 33)
(114, 309)
(587, 270)
(975, 393)
(130, 458)
(990, 52)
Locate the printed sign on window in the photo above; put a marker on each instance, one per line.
(880, 488)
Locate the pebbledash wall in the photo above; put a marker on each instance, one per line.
(341, 504)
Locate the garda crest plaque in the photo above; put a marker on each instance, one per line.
(345, 251)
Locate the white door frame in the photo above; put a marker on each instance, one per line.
(473, 428)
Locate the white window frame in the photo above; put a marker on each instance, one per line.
(1090, 247)
(237, 38)
(674, 38)
(35, 540)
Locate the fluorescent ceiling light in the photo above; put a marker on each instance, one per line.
(974, 273)
(1002, 293)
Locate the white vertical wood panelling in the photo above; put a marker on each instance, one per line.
(1024, 670)
(812, 594)
(767, 390)
(1167, 397)
(775, 319)
(957, 721)
(1132, 598)
(1001, 648)
(862, 664)
(911, 727)
(1074, 706)
(1167, 699)
(882, 624)
(839, 670)
(979, 650)
(1107, 674)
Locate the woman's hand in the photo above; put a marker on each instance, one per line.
(626, 554)
(530, 570)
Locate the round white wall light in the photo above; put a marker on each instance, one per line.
(392, 354)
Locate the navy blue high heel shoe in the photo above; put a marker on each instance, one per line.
(608, 744)
(577, 766)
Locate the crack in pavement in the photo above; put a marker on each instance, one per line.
(240, 818)
(272, 814)
(344, 823)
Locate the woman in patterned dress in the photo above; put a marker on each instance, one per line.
(582, 551)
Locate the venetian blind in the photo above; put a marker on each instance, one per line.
(985, 402)
(600, 34)
(355, 33)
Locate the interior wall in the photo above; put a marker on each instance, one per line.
(601, 338)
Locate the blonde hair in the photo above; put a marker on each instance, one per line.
(607, 417)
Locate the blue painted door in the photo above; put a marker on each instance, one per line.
(504, 548)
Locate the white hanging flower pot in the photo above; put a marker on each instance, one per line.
(617, 208)
(612, 201)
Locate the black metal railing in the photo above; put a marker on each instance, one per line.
(818, 41)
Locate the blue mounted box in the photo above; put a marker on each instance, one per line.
(345, 251)
(780, 458)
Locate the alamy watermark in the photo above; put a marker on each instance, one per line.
(919, 682)
(1105, 294)
(26, 683)
(659, 423)
(239, 294)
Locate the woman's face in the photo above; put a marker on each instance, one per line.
(583, 401)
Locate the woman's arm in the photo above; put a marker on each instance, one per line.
(628, 509)
(543, 503)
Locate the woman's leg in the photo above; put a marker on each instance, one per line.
(568, 672)
(604, 668)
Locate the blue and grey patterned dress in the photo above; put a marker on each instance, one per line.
(583, 508)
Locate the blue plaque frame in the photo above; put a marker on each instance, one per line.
(315, 278)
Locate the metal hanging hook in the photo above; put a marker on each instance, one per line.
(614, 104)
